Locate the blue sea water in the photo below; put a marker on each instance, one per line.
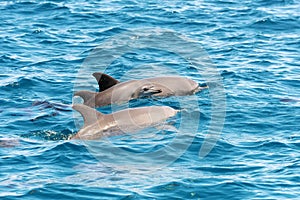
(255, 47)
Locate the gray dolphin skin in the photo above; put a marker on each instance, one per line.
(98, 125)
(113, 91)
(9, 142)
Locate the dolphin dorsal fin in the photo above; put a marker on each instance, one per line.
(104, 81)
(90, 115)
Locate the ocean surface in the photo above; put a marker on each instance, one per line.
(247, 122)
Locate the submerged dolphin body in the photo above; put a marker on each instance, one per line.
(112, 91)
(98, 125)
(9, 142)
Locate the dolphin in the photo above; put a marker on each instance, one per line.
(112, 91)
(98, 125)
(9, 142)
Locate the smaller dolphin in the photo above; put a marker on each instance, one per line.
(112, 91)
(9, 142)
(98, 125)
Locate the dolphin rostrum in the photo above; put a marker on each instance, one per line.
(111, 91)
(98, 125)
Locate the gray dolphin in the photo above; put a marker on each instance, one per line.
(9, 142)
(98, 125)
(112, 91)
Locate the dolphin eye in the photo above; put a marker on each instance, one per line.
(145, 89)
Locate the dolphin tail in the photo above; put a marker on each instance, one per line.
(104, 81)
(90, 115)
(85, 95)
(201, 87)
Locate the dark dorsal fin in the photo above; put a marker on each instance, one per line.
(90, 115)
(104, 81)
